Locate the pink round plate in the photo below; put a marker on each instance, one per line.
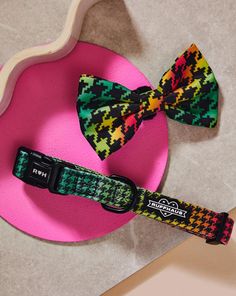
(43, 116)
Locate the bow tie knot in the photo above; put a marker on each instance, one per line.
(110, 114)
(151, 102)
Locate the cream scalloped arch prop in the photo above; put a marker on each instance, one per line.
(53, 51)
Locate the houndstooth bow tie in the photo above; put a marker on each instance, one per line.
(110, 114)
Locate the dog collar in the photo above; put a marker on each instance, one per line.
(119, 195)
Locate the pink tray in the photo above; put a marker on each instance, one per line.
(43, 116)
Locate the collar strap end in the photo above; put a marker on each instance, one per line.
(224, 230)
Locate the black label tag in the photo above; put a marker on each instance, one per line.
(167, 208)
(39, 172)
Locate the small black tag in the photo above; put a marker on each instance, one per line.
(167, 208)
(40, 173)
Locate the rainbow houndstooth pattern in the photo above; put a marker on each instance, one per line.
(110, 113)
(80, 181)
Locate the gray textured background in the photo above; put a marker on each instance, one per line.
(202, 165)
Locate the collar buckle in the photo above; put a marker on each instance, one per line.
(42, 171)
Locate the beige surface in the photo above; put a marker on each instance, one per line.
(190, 269)
(202, 164)
(13, 68)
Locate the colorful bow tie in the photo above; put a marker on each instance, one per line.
(110, 113)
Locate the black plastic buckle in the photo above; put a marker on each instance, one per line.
(133, 197)
(42, 171)
(217, 239)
